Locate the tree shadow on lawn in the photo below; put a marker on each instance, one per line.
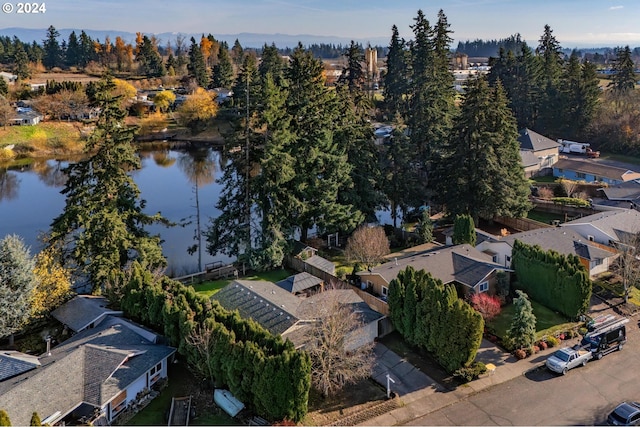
(421, 360)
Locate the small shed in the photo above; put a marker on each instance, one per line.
(227, 402)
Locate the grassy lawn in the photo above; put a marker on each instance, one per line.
(545, 319)
(544, 217)
(182, 383)
(612, 283)
(545, 179)
(210, 288)
(46, 136)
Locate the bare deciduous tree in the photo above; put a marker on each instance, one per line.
(627, 265)
(336, 356)
(569, 186)
(367, 245)
(202, 339)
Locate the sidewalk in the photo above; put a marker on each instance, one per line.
(427, 400)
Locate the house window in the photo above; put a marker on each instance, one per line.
(154, 373)
(484, 286)
(507, 261)
(581, 175)
(494, 258)
(560, 170)
(597, 261)
(591, 238)
(385, 291)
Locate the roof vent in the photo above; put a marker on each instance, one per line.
(396, 260)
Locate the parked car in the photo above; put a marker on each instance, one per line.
(606, 336)
(625, 414)
(568, 358)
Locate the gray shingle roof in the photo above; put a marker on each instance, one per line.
(627, 191)
(618, 224)
(530, 140)
(528, 158)
(322, 263)
(83, 310)
(93, 367)
(462, 263)
(561, 240)
(299, 282)
(269, 305)
(597, 169)
(13, 363)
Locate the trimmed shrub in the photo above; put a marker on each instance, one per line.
(470, 373)
(542, 345)
(552, 342)
(520, 354)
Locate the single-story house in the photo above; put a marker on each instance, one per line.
(9, 77)
(84, 312)
(88, 379)
(607, 228)
(280, 312)
(25, 117)
(596, 258)
(301, 284)
(592, 171)
(625, 195)
(538, 153)
(463, 265)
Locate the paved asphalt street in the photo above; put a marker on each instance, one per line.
(583, 397)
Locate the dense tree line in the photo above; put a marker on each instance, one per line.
(557, 281)
(430, 315)
(490, 48)
(260, 369)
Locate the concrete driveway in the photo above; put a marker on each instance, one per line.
(407, 377)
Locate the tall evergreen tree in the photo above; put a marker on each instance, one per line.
(522, 331)
(102, 227)
(395, 79)
(21, 64)
(431, 94)
(52, 55)
(17, 281)
(580, 94)
(197, 66)
(624, 78)
(73, 54)
(321, 164)
(551, 61)
(87, 54)
(149, 59)
(271, 62)
(222, 73)
(480, 172)
(464, 230)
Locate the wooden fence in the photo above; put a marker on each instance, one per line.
(329, 279)
(521, 224)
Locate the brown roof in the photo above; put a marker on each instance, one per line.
(598, 169)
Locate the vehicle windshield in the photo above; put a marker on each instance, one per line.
(561, 355)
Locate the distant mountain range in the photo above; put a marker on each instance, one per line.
(251, 40)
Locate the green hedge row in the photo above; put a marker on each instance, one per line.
(570, 201)
(260, 369)
(429, 314)
(559, 282)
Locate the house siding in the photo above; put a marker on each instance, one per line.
(500, 250)
(586, 177)
(374, 282)
(586, 230)
(365, 335)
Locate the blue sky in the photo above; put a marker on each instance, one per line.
(574, 22)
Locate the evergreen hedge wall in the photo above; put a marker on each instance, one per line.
(429, 314)
(559, 282)
(260, 369)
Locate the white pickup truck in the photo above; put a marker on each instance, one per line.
(567, 358)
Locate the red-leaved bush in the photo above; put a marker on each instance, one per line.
(488, 306)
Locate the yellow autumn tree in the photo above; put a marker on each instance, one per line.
(53, 285)
(124, 89)
(164, 99)
(197, 109)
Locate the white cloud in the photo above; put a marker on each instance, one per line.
(616, 7)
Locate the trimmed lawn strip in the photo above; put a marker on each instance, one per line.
(545, 319)
(211, 287)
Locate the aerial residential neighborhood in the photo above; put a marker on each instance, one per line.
(426, 219)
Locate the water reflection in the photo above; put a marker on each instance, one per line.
(9, 185)
(51, 173)
(199, 166)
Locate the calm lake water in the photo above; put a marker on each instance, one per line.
(30, 199)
